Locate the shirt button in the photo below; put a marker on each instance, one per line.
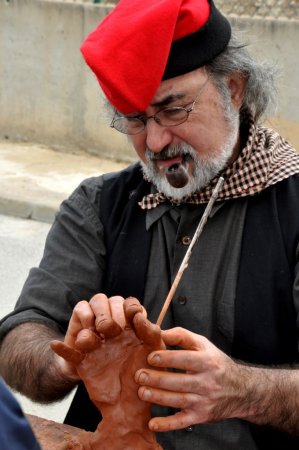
(186, 240)
(182, 299)
(189, 429)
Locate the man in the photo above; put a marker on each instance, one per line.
(190, 98)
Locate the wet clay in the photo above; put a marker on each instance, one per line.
(57, 436)
(106, 361)
(177, 175)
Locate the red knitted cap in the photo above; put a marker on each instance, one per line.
(142, 42)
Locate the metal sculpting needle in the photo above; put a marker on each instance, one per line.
(186, 258)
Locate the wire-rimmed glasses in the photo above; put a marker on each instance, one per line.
(166, 117)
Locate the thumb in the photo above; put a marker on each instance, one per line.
(181, 337)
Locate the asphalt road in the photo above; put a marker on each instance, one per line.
(21, 247)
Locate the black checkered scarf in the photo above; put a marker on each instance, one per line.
(265, 160)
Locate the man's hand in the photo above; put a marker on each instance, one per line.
(107, 341)
(201, 390)
(210, 386)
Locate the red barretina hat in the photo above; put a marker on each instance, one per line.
(142, 42)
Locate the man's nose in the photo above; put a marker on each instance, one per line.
(157, 136)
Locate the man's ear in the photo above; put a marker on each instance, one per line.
(236, 83)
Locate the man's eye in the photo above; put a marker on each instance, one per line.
(174, 112)
(134, 121)
(172, 115)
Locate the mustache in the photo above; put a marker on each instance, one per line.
(170, 151)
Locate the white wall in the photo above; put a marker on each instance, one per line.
(48, 95)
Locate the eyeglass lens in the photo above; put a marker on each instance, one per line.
(166, 117)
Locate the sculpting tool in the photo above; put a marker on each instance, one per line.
(186, 258)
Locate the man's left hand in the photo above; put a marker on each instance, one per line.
(206, 388)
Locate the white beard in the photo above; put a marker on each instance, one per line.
(204, 169)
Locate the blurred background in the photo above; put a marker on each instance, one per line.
(48, 95)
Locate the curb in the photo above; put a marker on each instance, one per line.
(28, 210)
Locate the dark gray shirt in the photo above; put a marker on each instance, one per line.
(204, 299)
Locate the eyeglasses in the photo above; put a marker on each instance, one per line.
(166, 117)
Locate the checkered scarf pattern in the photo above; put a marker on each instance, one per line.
(265, 160)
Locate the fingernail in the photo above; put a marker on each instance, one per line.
(143, 377)
(146, 394)
(154, 359)
(154, 427)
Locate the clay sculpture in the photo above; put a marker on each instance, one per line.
(107, 359)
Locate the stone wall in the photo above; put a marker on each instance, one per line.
(49, 96)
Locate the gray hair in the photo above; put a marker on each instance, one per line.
(260, 96)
